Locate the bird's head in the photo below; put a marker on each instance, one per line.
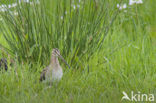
(56, 53)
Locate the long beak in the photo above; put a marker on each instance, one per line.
(63, 60)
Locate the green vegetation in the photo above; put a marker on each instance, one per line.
(105, 59)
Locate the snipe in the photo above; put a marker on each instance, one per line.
(53, 72)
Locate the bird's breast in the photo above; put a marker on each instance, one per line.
(57, 73)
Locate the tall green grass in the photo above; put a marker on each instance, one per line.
(78, 29)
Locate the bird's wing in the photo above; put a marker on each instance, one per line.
(42, 76)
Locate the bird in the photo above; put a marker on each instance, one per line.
(53, 72)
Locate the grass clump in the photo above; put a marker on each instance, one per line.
(76, 28)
